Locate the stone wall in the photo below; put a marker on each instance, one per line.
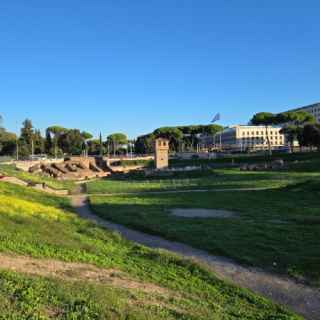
(26, 165)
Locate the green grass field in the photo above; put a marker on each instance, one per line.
(248, 158)
(208, 179)
(299, 168)
(275, 226)
(44, 226)
(10, 170)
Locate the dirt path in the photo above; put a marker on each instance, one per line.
(302, 299)
(75, 272)
(14, 180)
(37, 186)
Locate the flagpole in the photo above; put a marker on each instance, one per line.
(216, 118)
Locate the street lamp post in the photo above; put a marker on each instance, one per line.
(17, 149)
(32, 149)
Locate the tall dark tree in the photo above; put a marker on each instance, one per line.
(49, 143)
(311, 135)
(266, 119)
(39, 142)
(94, 147)
(101, 145)
(30, 140)
(71, 142)
(291, 132)
(173, 134)
(27, 131)
(144, 144)
(7, 141)
(26, 139)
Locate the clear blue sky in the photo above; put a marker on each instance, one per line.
(133, 66)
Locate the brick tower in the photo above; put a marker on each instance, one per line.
(161, 155)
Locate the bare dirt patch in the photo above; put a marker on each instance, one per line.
(37, 186)
(76, 272)
(202, 213)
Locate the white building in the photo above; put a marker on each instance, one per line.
(249, 138)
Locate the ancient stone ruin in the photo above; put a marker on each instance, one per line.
(274, 165)
(74, 168)
(161, 153)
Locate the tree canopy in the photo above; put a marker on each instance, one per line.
(310, 135)
(72, 142)
(118, 138)
(116, 142)
(180, 137)
(57, 130)
(86, 135)
(7, 142)
(293, 122)
(264, 118)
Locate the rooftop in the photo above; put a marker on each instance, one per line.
(317, 104)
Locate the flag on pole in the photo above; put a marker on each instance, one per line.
(217, 117)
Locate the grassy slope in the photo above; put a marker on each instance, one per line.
(130, 163)
(23, 297)
(10, 170)
(39, 225)
(280, 225)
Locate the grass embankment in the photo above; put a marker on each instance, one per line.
(12, 171)
(43, 226)
(133, 163)
(23, 297)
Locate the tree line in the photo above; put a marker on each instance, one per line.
(58, 141)
(181, 138)
(298, 126)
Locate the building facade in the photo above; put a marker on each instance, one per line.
(249, 138)
(313, 109)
